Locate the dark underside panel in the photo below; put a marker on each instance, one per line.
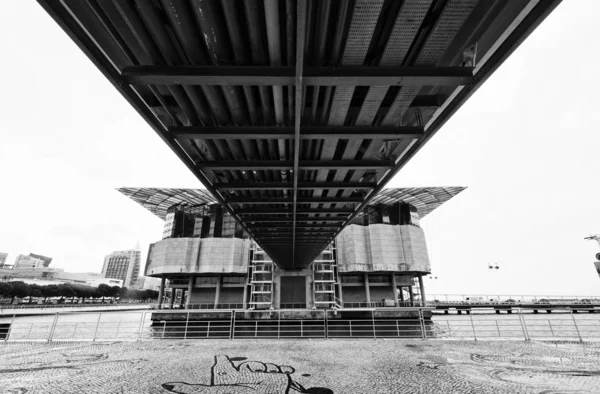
(299, 109)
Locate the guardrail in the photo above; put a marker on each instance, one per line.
(243, 324)
(68, 305)
(494, 299)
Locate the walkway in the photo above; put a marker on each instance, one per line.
(340, 366)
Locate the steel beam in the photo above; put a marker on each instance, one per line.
(306, 133)
(283, 211)
(290, 185)
(298, 219)
(252, 165)
(300, 200)
(319, 76)
(291, 225)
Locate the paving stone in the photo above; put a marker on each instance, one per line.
(300, 366)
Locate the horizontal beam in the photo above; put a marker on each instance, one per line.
(282, 211)
(307, 133)
(260, 165)
(290, 186)
(319, 76)
(311, 200)
(298, 219)
(291, 225)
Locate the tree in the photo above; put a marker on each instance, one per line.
(123, 292)
(66, 291)
(37, 292)
(5, 289)
(115, 291)
(49, 291)
(104, 290)
(19, 289)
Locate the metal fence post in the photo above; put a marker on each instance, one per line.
(550, 324)
(278, 325)
(8, 332)
(232, 329)
(53, 327)
(373, 323)
(141, 329)
(523, 325)
(326, 325)
(422, 321)
(498, 328)
(187, 322)
(576, 327)
(473, 326)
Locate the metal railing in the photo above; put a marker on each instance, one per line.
(74, 305)
(281, 324)
(450, 299)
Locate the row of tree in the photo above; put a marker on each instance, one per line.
(66, 290)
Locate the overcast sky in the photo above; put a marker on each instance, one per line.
(527, 145)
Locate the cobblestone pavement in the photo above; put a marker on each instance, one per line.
(300, 366)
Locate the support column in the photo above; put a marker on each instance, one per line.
(161, 291)
(190, 288)
(395, 289)
(367, 290)
(309, 292)
(173, 293)
(402, 294)
(340, 294)
(422, 290)
(412, 296)
(245, 297)
(218, 291)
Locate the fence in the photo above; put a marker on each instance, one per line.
(450, 299)
(241, 324)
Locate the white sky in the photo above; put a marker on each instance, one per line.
(526, 145)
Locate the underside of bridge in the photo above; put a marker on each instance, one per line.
(296, 112)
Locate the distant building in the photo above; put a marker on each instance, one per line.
(47, 260)
(148, 283)
(3, 257)
(123, 265)
(88, 278)
(24, 261)
(45, 273)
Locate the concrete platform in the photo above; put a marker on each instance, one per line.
(291, 366)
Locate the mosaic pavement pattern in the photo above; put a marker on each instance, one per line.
(318, 367)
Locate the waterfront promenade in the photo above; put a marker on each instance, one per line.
(305, 366)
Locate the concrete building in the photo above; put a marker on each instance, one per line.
(378, 260)
(28, 261)
(123, 265)
(3, 257)
(148, 283)
(47, 260)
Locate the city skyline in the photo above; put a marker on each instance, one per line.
(527, 208)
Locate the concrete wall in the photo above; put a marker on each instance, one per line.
(203, 295)
(231, 295)
(382, 247)
(354, 294)
(196, 255)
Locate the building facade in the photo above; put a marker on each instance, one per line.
(123, 265)
(377, 261)
(28, 261)
(3, 257)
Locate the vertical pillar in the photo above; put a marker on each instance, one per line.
(402, 294)
(173, 293)
(412, 296)
(218, 291)
(367, 290)
(245, 297)
(309, 292)
(190, 288)
(276, 291)
(395, 289)
(422, 290)
(340, 294)
(161, 291)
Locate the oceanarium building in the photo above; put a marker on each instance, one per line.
(378, 260)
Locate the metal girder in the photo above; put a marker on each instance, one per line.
(319, 76)
(290, 225)
(306, 133)
(290, 186)
(250, 165)
(277, 211)
(300, 200)
(286, 220)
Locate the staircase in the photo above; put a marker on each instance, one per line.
(325, 280)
